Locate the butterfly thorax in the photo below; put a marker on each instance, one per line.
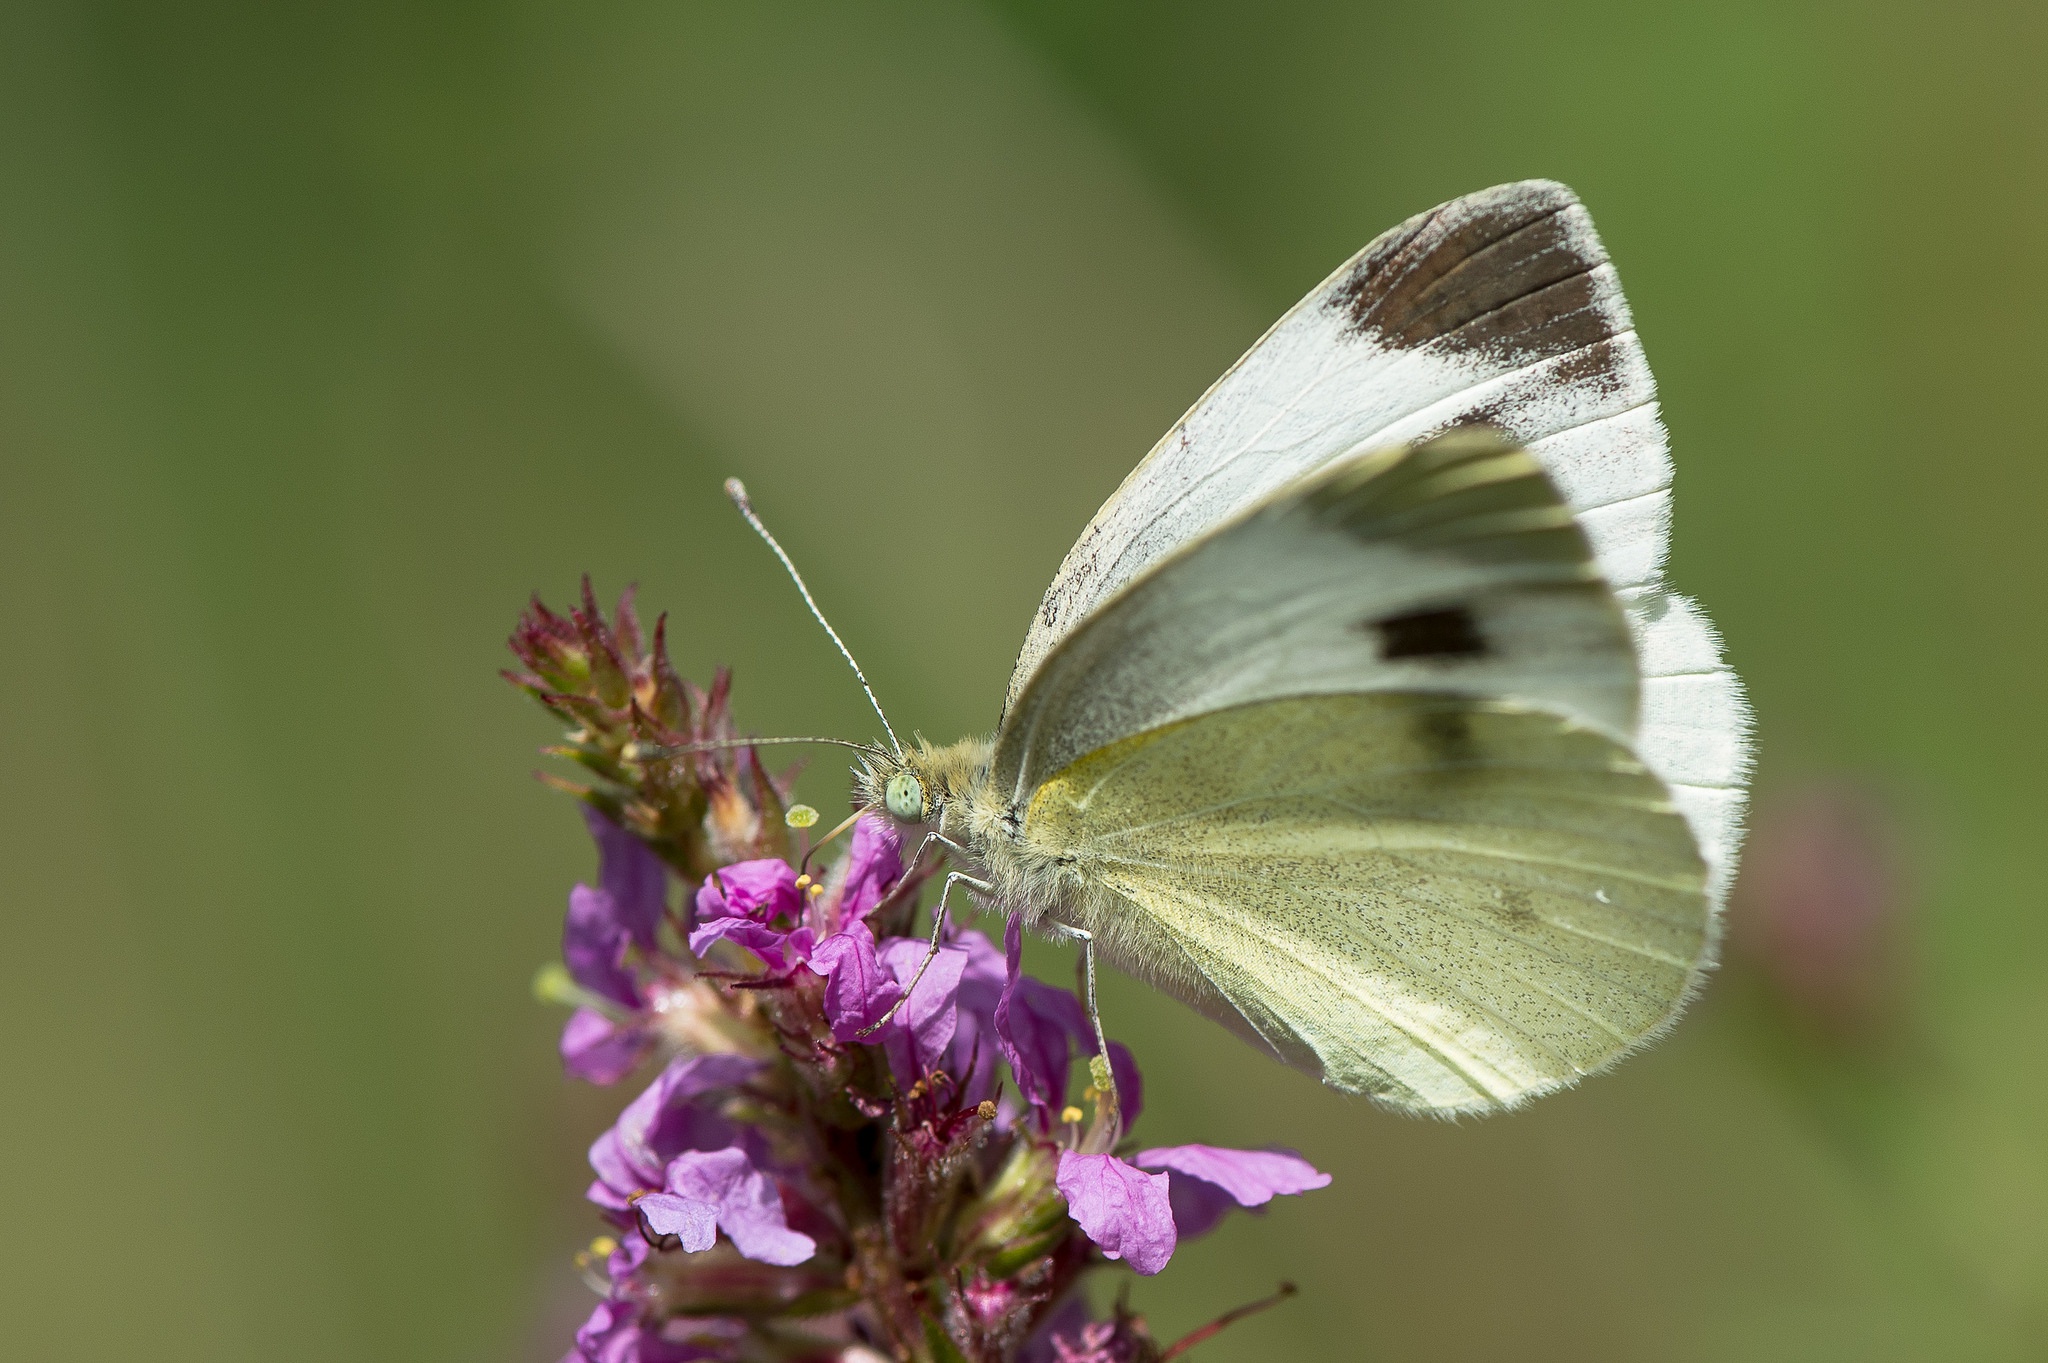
(957, 799)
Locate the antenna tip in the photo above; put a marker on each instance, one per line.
(736, 490)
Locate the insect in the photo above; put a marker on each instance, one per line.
(1360, 718)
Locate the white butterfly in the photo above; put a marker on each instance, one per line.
(1360, 718)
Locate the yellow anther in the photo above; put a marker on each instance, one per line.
(800, 816)
(803, 882)
(817, 890)
(985, 1110)
(1072, 1114)
(604, 1246)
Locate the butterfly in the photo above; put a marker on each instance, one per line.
(1360, 718)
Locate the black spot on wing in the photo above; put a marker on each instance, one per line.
(1447, 635)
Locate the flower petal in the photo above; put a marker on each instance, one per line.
(1207, 1179)
(923, 1028)
(857, 990)
(972, 1058)
(599, 1051)
(594, 945)
(632, 875)
(749, 1208)
(771, 944)
(1124, 1210)
(1035, 1025)
(693, 1222)
(760, 890)
(873, 866)
(668, 1119)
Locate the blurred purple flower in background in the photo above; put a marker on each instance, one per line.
(824, 1167)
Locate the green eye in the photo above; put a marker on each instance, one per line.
(905, 797)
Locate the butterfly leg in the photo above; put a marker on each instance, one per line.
(938, 930)
(1102, 1074)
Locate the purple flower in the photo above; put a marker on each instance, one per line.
(971, 1060)
(1035, 1024)
(665, 1120)
(777, 949)
(1068, 1319)
(597, 1050)
(1102, 1341)
(1038, 1026)
(632, 875)
(594, 946)
(723, 1186)
(1208, 1180)
(761, 890)
(921, 1033)
(857, 989)
(615, 1334)
(873, 866)
(1124, 1210)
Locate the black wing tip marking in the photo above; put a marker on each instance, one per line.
(1514, 273)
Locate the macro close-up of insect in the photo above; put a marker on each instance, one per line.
(1507, 832)
(1361, 719)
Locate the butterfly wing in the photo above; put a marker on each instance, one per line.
(1451, 565)
(1350, 773)
(1446, 903)
(1500, 307)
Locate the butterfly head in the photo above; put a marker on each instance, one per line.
(918, 785)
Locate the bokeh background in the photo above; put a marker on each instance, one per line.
(328, 332)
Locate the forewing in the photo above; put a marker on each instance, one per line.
(1449, 905)
(1500, 307)
(1451, 566)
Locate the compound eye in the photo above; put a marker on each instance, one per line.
(905, 797)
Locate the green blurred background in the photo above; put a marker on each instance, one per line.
(328, 332)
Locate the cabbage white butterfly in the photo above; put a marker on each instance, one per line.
(1360, 718)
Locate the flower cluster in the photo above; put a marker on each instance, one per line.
(849, 1151)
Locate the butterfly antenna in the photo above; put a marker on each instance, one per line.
(737, 490)
(643, 752)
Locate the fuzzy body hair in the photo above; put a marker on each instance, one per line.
(1042, 883)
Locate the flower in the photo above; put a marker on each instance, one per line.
(600, 1051)
(672, 1115)
(631, 876)
(1206, 1180)
(758, 891)
(616, 1333)
(872, 867)
(829, 1163)
(713, 1190)
(1123, 1209)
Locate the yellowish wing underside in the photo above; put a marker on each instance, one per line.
(1445, 903)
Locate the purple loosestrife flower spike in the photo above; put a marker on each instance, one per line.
(789, 1188)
